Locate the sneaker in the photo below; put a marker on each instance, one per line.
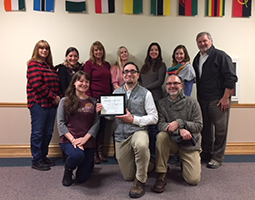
(160, 183)
(137, 190)
(214, 164)
(49, 162)
(40, 165)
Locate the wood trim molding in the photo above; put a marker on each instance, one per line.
(17, 105)
(18, 151)
(13, 105)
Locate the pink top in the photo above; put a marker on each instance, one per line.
(117, 78)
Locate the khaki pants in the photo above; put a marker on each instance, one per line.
(191, 162)
(133, 156)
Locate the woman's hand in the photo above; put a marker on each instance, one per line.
(56, 100)
(99, 107)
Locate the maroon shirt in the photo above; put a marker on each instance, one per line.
(100, 79)
(79, 123)
(42, 84)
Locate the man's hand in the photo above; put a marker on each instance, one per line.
(186, 135)
(224, 103)
(128, 118)
(171, 127)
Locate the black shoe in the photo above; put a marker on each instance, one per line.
(49, 162)
(40, 165)
(214, 164)
(67, 178)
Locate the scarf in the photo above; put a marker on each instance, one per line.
(175, 69)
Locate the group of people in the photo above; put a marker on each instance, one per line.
(153, 125)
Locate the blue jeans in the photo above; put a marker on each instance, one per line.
(83, 160)
(42, 122)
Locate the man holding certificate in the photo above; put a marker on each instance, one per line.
(131, 135)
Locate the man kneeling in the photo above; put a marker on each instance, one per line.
(180, 123)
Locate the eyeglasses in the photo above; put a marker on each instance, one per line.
(173, 83)
(131, 71)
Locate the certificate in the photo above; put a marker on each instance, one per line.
(113, 104)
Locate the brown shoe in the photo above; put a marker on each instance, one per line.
(101, 157)
(137, 190)
(160, 183)
(96, 158)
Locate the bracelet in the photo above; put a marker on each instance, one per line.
(72, 140)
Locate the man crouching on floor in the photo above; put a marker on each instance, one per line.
(131, 135)
(180, 123)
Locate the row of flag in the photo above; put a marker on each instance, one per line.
(214, 8)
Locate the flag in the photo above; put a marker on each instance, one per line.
(188, 7)
(133, 6)
(104, 6)
(215, 8)
(241, 8)
(75, 6)
(10, 5)
(160, 7)
(44, 5)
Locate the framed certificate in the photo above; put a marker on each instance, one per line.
(113, 104)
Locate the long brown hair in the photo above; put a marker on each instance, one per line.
(147, 62)
(37, 57)
(72, 102)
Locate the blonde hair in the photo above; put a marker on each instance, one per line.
(118, 61)
(37, 57)
(100, 46)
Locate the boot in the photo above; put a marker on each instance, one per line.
(67, 178)
(100, 153)
(96, 158)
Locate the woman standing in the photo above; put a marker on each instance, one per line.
(43, 96)
(68, 68)
(99, 71)
(78, 124)
(152, 77)
(116, 70)
(182, 67)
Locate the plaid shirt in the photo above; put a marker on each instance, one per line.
(42, 84)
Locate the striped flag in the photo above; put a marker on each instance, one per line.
(10, 5)
(105, 6)
(133, 6)
(44, 5)
(241, 8)
(188, 7)
(215, 8)
(75, 6)
(160, 7)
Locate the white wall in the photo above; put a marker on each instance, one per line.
(21, 30)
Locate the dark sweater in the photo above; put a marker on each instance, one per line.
(218, 73)
(100, 79)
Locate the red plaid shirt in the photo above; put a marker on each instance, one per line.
(42, 84)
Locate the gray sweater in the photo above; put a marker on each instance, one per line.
(153, 81)
(183, 109)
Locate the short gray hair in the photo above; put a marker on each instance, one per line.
(204, 33)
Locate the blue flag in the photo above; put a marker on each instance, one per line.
(44, 5)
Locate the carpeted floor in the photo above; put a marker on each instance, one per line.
(234, 181)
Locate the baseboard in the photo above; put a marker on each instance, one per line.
(23, 151)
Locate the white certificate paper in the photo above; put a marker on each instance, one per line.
(113, 104)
